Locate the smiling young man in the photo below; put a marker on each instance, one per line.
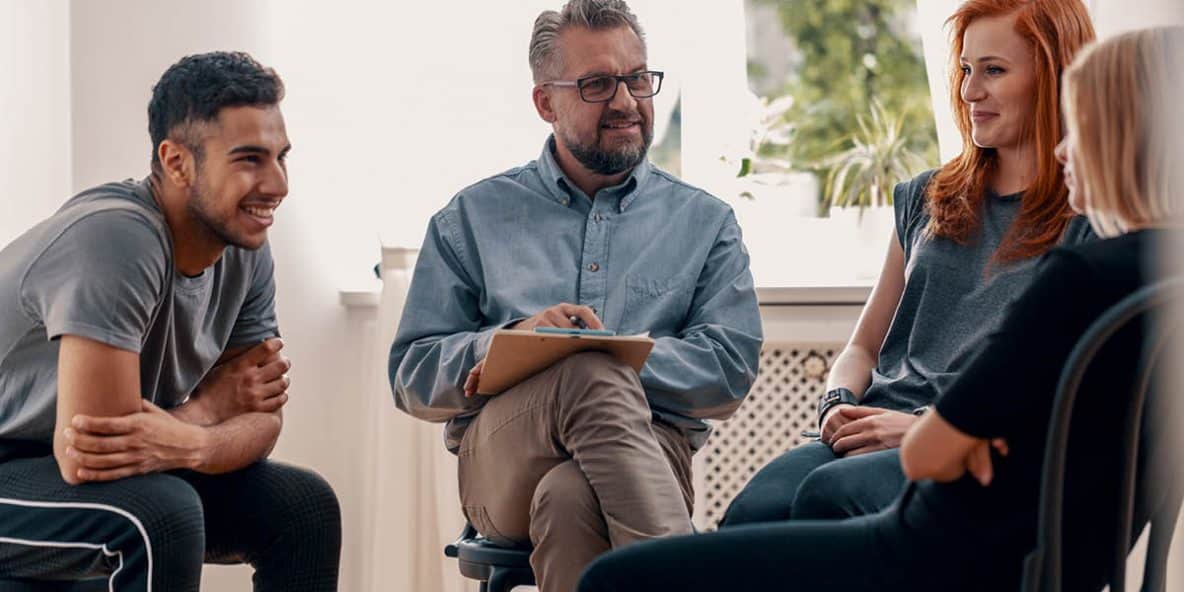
(587, 455)
(141, 383)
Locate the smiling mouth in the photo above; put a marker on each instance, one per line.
(263, 214)
(260, 211)
(619, 125)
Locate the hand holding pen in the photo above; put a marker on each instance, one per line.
(563, 316)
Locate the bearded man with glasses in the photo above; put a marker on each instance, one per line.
(588, 454)
(629, 134)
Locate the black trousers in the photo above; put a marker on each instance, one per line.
(810, 483)
(907, 546)
(917, 544)
(153, 532)
(876, 553)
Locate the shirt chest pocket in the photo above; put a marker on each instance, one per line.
(657, 305)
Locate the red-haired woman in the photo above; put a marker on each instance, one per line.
(968, 519)
(966, 238)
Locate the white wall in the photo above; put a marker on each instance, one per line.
(935, 40)
(34, 112)
(1115, 16)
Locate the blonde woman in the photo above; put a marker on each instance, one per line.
(968, 517)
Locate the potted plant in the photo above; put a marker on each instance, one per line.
(880, 157)
(767, 169)
(864, 174)
(858, 190)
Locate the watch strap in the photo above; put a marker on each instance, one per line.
(832, 398)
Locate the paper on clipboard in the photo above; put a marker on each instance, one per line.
(516, 355)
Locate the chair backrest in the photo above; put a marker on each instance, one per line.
(1042, 571)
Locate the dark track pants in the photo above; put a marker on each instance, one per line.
(153, 532)
(810, 483)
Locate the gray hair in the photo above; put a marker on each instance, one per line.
(595, 15)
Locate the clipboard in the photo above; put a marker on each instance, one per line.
(516, 355)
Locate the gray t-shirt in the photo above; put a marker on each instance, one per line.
(951, 299)
(102, 268)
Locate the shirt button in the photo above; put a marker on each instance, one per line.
(593, 267)
(596, 217)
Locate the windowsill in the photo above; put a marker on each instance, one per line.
(779, 279)
(854, 294)
(820, 295)
(361, 296)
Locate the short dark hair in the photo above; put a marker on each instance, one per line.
(197, 87)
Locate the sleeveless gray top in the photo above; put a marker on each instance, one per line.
(951, 299)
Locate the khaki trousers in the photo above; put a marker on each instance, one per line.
(571, 461)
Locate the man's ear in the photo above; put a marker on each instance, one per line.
(542, 104)
(176, 162)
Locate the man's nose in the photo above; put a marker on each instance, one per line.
(622, 100)
(275, 181)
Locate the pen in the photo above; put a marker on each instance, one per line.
(578, 322)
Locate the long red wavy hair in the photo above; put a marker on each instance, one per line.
(1056, 30)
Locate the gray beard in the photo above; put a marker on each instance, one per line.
(603, 162)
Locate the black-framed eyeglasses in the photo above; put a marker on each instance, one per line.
(602, 88)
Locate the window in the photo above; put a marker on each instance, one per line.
(817, 77)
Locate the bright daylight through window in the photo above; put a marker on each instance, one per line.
(835, 111)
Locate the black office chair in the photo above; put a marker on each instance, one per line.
(1043, 567)
(499, 569)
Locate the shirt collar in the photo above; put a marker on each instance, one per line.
(564, 191)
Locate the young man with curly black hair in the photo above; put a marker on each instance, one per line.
(141, 379)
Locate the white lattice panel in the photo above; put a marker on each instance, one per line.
(782, 403)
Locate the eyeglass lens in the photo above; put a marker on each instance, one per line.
(602, 88)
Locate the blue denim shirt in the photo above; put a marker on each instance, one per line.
(651, 254)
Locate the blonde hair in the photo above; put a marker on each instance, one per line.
(1121, 112)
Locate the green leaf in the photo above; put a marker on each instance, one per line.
(745, 168)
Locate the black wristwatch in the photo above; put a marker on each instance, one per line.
(835, 396)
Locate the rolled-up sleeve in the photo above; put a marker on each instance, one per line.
(706, 370)
(440, 337)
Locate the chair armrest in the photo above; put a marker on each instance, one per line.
(452, 549)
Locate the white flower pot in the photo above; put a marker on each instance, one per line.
(864, 238)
